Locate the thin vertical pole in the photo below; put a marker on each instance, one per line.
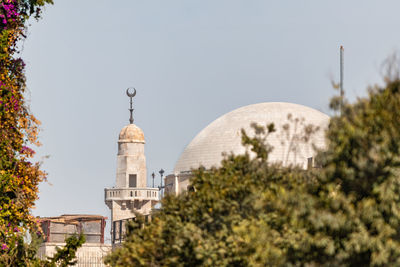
(113, 230)
(131, 111)
(120, 231)
(161, 187)
(341, 78)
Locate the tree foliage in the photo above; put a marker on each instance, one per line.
(19, 177)
(65, 256)
(25, 254)
(249, 212)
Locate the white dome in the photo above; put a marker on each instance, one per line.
(224, 135)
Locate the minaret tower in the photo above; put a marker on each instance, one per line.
(131, 194)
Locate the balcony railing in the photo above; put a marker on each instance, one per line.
(131, 194)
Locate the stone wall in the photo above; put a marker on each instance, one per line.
(89, 255)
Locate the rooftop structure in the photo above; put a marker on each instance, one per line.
(57, 229)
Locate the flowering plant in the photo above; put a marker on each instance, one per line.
(19, 177)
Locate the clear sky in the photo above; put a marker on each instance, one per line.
(191, 62)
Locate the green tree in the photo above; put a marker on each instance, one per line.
(65, 256)
(252, 213)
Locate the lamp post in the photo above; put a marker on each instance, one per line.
(161, 172)
(153, 175)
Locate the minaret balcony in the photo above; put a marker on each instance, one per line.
(146, 193)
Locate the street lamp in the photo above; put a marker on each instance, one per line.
(161, 172)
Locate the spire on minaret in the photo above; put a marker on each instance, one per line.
(131, 92)
(130, 195)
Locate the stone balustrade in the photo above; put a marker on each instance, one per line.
(131, 194)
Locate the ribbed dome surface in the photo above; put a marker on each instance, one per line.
(224, 135)
(131, 133)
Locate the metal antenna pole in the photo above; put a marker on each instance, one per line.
(341, 79)
(131, 92)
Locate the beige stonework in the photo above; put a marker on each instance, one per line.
(89, 254)
(130, 194)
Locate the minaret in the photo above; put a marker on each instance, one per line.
(131, 194)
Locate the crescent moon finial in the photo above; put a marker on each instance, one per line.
(131, 95)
